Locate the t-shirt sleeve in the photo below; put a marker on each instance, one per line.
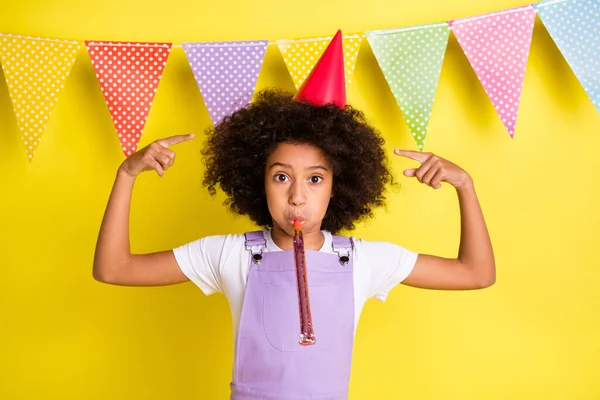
(202, 261)
(389, 264)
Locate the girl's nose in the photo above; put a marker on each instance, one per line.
(297, 195)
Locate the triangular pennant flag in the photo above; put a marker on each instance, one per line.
(301, 55)
(128, 74)
(226, 73)
(411, 61)
(497, 46)
(35, 70)
(575, 28)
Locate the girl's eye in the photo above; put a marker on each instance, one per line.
(315, 179)
(280, 177)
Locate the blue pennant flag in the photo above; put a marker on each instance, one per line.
(575, 28)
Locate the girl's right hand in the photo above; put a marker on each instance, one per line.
(156, 156)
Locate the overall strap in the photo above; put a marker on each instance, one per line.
(255, 243)
(342, 245)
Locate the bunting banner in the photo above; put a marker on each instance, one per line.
(35, 70)
(128, 73)
(579, 19)
(301, 55)
(497, 46)
(226, 73)
(411, 61)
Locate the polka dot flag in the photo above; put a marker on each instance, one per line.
(129, 74)
(35, 70)
(497, 46)
(411, 61)
(301, 55)
(575, 28)
(226, 73)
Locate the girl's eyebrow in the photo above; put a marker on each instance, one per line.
(279, 164)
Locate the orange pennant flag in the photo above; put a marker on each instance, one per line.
(129, 74)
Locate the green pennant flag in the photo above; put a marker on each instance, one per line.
(411, 61)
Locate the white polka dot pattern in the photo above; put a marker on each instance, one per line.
(129, 74)
(575, 28)
(411, 61)
(301, 55)
(35, 70)
(226, 73)
(497, 46)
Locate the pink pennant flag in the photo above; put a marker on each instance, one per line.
(497, 46)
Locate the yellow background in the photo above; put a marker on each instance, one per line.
(533, 335)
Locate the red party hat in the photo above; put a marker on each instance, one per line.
(326, 82)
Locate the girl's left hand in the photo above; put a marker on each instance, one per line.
(435, 169)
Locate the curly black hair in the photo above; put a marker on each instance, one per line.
(237, 148)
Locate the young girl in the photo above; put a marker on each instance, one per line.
(312, 159)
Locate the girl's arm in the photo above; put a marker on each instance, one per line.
(113, 261)
(474, 268)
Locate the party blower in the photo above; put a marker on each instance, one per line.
(307, 335)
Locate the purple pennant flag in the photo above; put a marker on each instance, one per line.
(226, 73)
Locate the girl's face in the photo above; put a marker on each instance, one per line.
(298, 183)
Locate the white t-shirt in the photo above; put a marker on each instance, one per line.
(220, 264)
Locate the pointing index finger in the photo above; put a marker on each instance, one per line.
(175, 139)
(414, 155)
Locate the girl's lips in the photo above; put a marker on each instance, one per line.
(297, 219)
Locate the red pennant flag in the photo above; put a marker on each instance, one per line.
(129, 74)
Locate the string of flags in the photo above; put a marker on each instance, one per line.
(496, 45)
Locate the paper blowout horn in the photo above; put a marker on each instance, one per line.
(326, 82)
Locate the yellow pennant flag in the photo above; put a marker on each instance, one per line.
(35, 70)
(301, 55)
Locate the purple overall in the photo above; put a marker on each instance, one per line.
(270, 364)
